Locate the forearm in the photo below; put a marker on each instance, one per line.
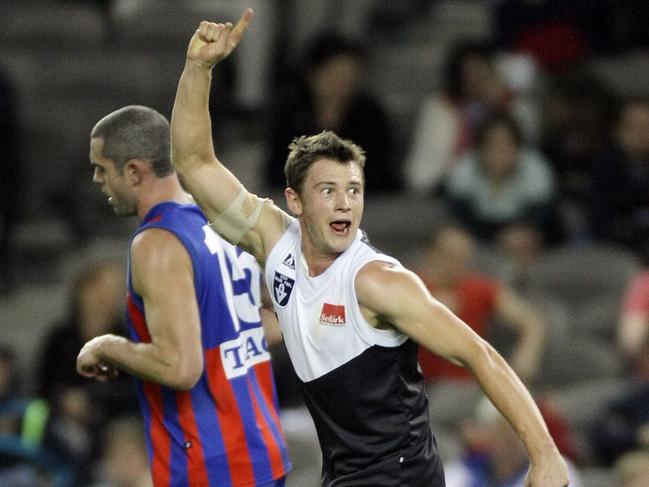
(512, 399)
(148, 362)
(191, 127)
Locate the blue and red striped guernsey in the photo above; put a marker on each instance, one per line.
(226, 430)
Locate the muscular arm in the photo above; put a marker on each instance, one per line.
(162, 274)
(525, 320)
(213, 186)
(394, 295)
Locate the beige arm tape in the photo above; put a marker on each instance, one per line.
(233, 222)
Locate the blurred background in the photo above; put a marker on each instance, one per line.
(508, 164)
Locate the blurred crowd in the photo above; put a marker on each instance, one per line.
(538, 170)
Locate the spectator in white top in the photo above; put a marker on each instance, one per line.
(503, 191)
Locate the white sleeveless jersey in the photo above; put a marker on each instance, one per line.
(320, 318)
(362, 385)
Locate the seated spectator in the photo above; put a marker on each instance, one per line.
(26, 456)
(558, 34)
(633, 330)
(503, 192)
(563, 34)
(124, 461)
(11, 178)
(330, 96)
(79, 407)
(480, 301)
(624, 425)
(619, 210)
(576, 111)
(96, 307)
(494, 456)
(447, 123)
(632, 469)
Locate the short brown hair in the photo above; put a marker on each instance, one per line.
(304, 151)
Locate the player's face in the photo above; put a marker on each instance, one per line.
(113, 184)
(331, 205)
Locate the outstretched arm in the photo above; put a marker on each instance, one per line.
(390, 294)
(162, 273)
(239, 216)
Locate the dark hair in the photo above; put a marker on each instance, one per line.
(499, 119)
(304, 151)
(136, 132)
(328, 45)
(453, 82)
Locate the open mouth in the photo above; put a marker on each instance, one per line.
(341, 227)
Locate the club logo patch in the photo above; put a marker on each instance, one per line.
(282, 288)
(332, 315)
(289, 261)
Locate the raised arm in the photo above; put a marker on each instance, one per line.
(162, 274)
(237, 215)
(393, 295)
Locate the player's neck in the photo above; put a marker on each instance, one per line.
(159, 191)
(316, 261)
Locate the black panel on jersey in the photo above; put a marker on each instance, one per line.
(371, 415)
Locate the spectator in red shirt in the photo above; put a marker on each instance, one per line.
(478, 300)
(482, 302)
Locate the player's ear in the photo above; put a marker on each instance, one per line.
(134, 171)
(293, 202)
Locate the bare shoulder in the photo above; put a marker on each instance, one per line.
(379, 283)
(273, 221)
(155, 242)
(156, 251)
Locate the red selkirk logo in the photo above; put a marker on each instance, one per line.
(332, 314)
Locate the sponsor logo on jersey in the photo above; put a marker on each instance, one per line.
(289, 261)
(332, 315)
(248, 349)
(282, 288)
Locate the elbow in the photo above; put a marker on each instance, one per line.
(185, 382)
(186, 376)
(481, 355)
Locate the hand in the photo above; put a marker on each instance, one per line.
(549, 473)
(89, 363)
(212, 42)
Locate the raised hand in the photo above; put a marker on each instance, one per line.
(214, 42)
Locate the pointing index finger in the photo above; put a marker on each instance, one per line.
(242, 26)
